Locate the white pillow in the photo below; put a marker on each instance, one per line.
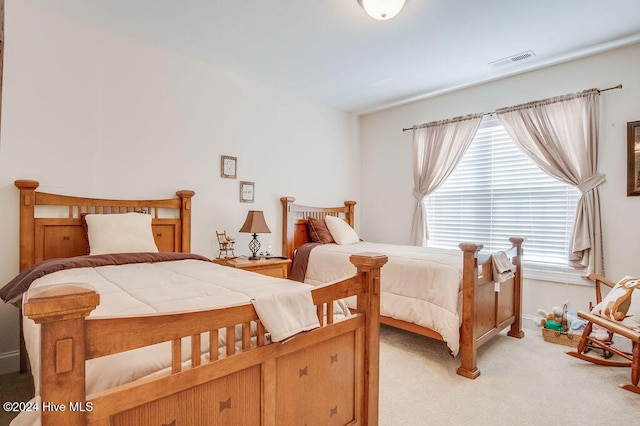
(341, 231)
(120, 233)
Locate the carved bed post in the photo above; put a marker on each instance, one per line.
(27, 221)
(185, 217)
(27, 243)
(287, 227)
(516, 327)
(369, 303)
(350, 213)
(61, 312)
(468, 348)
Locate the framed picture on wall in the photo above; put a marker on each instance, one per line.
(228, 167)
(633, 158)
(247, 192)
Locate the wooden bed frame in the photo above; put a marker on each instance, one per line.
(325, 376)
(485, 312)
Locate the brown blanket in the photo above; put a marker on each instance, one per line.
(300, 261)
(12, 291)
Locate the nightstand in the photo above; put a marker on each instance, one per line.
(278, 268)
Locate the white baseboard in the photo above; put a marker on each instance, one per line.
(9, 362)
(528, 322)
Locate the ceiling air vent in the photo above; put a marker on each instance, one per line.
(511, 59)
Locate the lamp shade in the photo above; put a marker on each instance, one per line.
(382, 9)
(255, 223)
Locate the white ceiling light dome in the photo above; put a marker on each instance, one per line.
(382, 9)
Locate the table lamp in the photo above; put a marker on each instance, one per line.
(255, 224)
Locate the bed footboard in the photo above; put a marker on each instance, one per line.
(325, 376)
(487, 307)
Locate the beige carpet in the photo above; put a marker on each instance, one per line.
(523, 382)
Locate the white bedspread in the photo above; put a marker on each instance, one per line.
(143, 288)
(418, 285)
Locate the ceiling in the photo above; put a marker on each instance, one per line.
(331, 52)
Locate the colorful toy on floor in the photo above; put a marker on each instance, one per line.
(559, 319)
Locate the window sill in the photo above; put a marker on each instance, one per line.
(558, 274)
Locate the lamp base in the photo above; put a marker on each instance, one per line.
(254, 246)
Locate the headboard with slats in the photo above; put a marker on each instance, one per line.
(44, 238)
(294, 221)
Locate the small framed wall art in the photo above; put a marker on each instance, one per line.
(228, 167)
(247, 192)
(633, 158)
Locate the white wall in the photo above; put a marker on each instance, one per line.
(88, 112)
(387, 201)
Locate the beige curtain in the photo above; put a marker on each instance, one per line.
(561, 136)
(437, 150)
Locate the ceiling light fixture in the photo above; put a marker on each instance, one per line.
(382, 9)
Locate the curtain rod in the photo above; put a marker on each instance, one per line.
(619, 86)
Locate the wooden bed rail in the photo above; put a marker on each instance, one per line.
(69, 338)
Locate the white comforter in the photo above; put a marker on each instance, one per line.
(143, 288)
(418, 285)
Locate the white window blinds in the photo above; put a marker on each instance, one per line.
(497, 192)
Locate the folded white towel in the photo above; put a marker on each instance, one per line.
(502, 266)
(287, 313)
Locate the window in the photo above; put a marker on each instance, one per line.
(496, 192)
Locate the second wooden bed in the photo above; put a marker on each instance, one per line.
(484, 312)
